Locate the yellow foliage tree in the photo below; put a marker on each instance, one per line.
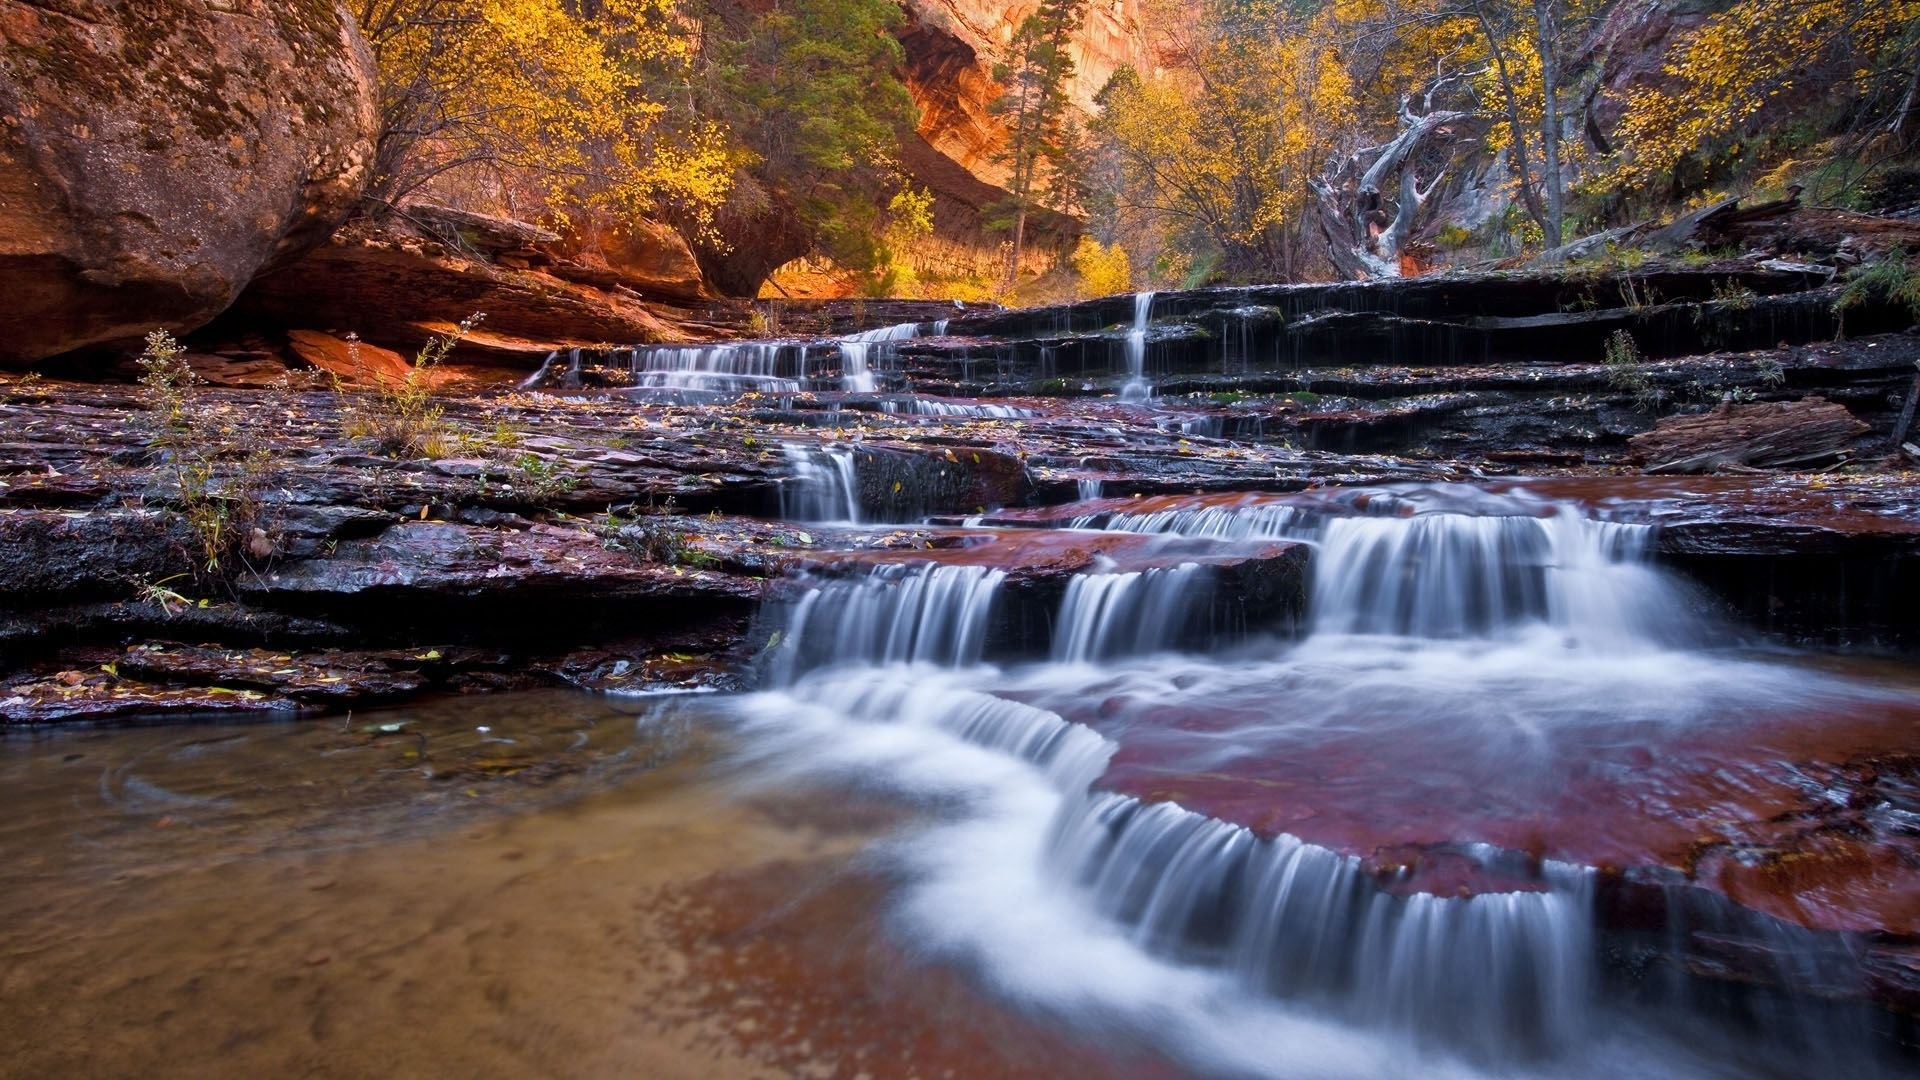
(1853, 55)
(567, 104)
(909, 222)
(1221, 143)
(1104, 269)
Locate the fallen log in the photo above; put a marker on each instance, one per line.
(1732, 438)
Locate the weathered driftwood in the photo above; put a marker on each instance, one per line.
(1768, 435)
(484, 233)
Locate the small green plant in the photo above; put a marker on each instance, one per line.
(1637, 295)
(1890, 280)
(400, 415)
(648, 538)
(167, 378)
(1626, 371)
(1583, 301)
(1772, 373)
(1734, 295)
(167, 600)
(215, 473)
(541, 478)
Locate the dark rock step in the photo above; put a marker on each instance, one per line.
(1508, 294)
(1184, 348)
(1261, 590)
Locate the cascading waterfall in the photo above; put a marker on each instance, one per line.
(766, 367)
(824, 487)
(1455, 575)
(1137, 388)
(1269, 521)
(858, 352)
(1416, 615)
(1108, 614)
(893, 614)
(1495, 972)
(921, 406)
(1069, 754)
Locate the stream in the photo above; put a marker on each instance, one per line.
(1507, 804)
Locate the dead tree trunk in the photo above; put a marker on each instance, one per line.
(1363, 239)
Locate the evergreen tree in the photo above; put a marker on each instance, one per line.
(811, 91)
(1034, 107)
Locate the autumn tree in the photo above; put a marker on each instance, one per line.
(1846, 71)
(1034, 106)
(564, 105)
(1219, 147)
(1103, 269)
(811, 91)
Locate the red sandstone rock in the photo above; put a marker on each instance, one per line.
(154, 157)
(396, 288)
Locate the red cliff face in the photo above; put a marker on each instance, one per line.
(952, 46)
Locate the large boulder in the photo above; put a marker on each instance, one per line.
(156, 155)
(645, 256)
(392, 284)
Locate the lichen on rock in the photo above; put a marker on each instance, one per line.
(156, 157)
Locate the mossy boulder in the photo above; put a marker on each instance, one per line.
(155, 155)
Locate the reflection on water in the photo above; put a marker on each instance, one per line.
(541, 884)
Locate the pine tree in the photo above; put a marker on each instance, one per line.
(812, 92)
(1034, 107)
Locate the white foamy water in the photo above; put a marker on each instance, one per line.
(1478, 667)
(1137, 388)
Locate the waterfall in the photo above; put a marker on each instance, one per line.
(1499, 972)
(890, 614)
(1260, 521)
(1457, 575)
(1137, 388)
(1116, 614)
(766, 367)
(1069, 754)
(922, 406)
(539, 377)
(1403, 570)
(1384, 834)
(1088, 487)
(824, 486)
(859, 351)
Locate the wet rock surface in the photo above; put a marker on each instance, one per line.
(554, 527)
(625, 527)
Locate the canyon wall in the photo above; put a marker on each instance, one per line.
(952, 47)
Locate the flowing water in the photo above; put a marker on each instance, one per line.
(859, 352)
(1137, 388)
(765, 367)
(953, 836)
